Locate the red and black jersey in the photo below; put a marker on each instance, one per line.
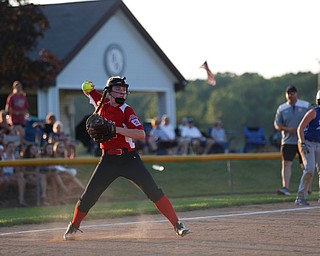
(123, 116)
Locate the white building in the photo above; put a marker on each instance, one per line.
(97, 39)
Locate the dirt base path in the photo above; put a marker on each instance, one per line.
(272, 229)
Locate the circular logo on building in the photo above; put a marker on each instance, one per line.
(114, 60)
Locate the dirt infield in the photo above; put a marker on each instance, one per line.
(273, 229)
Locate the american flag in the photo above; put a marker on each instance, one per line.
(211, 78)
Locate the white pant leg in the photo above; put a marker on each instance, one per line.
(309, 162)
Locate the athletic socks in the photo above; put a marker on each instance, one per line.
(78, 217)
(165, 207)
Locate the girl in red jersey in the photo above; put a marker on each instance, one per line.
(120, 159)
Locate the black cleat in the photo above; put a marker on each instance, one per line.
(70, 232)
(180, 229)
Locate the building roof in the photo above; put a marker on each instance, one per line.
(73, 24)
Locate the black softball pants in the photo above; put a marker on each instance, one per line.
(110, 167)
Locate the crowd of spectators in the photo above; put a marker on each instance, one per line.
(56, 183)
(164, 139)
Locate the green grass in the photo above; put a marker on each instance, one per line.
(189, 185)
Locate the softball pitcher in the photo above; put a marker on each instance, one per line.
(119, 157)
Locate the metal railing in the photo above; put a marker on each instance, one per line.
(146, 158)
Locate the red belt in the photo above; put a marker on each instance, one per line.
(117, 151)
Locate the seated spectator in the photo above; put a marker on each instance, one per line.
(51, 178)
(181, 126)
(182, 144)
(60, 135)
(46, 128)
(70, 147)
(5, 127)
(167, 127)
(14, 176)
(13, 137)
(31, 151)
(68, 175)
(196, 139)
(7, 132)
(159, 141)
(218, 134)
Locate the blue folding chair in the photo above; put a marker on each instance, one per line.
(254, 139)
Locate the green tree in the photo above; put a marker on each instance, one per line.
(20, 27)
(239, 101)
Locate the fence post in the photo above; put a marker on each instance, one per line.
(38, 185)
(230, 177)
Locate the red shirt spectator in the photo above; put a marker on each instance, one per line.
(17, 105)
